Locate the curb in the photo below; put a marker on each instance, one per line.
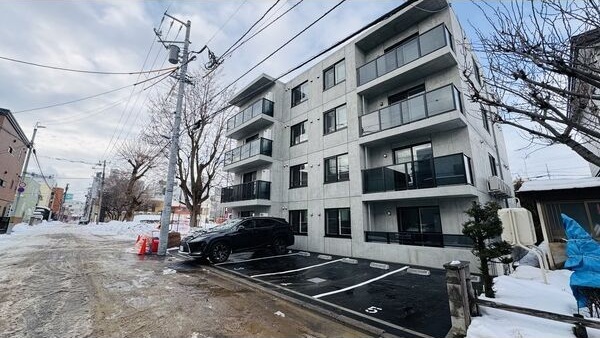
(353, 323)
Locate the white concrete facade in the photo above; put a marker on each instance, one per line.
(458, 132)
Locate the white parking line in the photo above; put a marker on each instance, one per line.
(257, 259)
(295, 270)
(360, 284)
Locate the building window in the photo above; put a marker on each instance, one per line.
(420, 226)
(10, 150)
(484, 119)
(298, 133)
(335, 119)
(337, 169)
(298, 176)
(337, 222)
(493, 168)
(2, 183)
(334, 75)
(299, 94)
(299, 222)
(476, 71)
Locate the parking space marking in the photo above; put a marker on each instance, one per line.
(257, 259)
(360, 284)
(295, 270)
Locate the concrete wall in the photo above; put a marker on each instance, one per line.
(472, 140)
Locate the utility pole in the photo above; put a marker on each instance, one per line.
(101, 193)
(174, 148)
(24, 171)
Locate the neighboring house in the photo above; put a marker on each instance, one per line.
(577, 198)
(91, 209)
(13, 148)
(30, 198)
(56, 200)
(375, 151)
(585, 53)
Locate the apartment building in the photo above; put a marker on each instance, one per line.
(13, 148)
(585, 54)
(375, 151)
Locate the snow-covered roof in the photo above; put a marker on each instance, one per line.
(545, 185)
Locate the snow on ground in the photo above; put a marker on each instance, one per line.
(120, 230)
(525, 288)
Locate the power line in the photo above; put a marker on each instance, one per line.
(251, 27)
(93, 96)
(37, 161)
(226, 22)
(262, 29)
(324, 51)
(69, 160)
(85, 71)
(278, 49)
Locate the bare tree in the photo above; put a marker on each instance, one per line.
(140, 157)
(543, 72)
(113, 197)
(202, 140)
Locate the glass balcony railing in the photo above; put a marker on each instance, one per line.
(246, 191)
(409, 51)
(433, 172)
(262, 106)
(260, 146)
(419, 238)
(416, 108)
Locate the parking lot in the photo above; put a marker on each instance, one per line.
(408, 301)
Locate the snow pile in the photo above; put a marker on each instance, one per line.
(525, 288)
(120, 230)
(21, 232)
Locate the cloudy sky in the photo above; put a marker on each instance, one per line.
(117, 36)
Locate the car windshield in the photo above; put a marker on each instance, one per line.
(227, 225)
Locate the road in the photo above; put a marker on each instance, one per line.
(62, 281)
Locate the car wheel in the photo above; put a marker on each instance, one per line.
(279, 246)
(219, 252)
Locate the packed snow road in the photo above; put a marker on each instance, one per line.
(72, 281)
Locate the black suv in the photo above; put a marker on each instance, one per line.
(244, 234)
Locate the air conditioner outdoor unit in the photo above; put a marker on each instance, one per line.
(498, 187)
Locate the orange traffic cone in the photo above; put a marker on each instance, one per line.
(142, 250)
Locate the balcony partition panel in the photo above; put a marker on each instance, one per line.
(413, 109)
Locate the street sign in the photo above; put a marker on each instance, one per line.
(68, 197)
(20, 189)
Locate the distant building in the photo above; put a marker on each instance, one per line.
(13, 148)
(585, 53)
(92, 207)
(73, 210)
(30, 198)
(56, 200)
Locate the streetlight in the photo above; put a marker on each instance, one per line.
(24, 171)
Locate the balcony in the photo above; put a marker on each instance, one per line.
(433, 111)
(245, 194)
(498, 188)
(417, 58)
(450, 170)
(250, 120)
(249, 155)
(435, 239)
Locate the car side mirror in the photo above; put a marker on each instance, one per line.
(241, 228)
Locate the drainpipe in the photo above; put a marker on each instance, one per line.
(498, 157)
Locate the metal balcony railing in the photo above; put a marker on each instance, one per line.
(260, 146)
(246, 191)
(262, 106)
(433, 172)
(434, 102)
(409, 51)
